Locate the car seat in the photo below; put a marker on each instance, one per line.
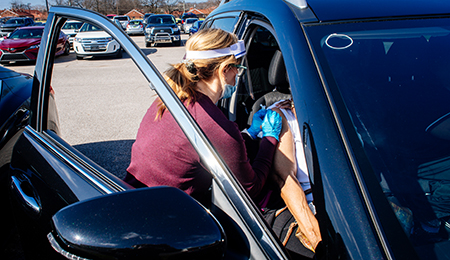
(278, 79)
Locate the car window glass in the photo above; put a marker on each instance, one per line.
(393, 78)
(72, 25)
(3, 89)
(226, 24)
(27, 34)
(89, 28)
(15, 21)
(100, 102)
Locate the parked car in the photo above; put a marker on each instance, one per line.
(185, 16)
(23, 45)
(4, 19)
(11, 24)
(123, 19)
(195, 27)
(71, 28)
(93, 41)
(145, 18)
(135, 27)
(188, 23)
(162, 28)
(369, 84)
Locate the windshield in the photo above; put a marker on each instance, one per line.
(72, 26)
(135, 23)
(26, 34)
(161, 19)
(121, 18)
(15, 21)
(395, 83)
(89, 28)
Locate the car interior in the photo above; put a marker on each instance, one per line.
(264, 83)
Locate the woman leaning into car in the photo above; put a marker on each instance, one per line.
(162, 155)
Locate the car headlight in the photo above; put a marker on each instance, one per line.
(148, 30)
(176, 29)
(33, 47)
(109, 38)
(78, 39)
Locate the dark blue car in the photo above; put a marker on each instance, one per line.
(195, 27)
(15, 93)
(369, 84)
(162, 28)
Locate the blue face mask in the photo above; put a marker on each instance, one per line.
(229, 89)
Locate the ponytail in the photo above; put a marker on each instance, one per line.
(183, 77)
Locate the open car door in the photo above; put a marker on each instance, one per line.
(52, 182)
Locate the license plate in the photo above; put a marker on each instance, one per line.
(92, 48)
(165, 39)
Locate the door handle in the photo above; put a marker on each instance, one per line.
(21, 188)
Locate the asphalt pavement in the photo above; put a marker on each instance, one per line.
(101, 101)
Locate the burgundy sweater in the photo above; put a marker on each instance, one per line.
(162, 154)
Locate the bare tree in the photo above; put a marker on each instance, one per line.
(152, 6)
(170, 5)
(18, 5)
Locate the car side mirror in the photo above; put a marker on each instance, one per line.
(150, 223)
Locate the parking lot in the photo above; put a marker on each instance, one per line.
(101, 101)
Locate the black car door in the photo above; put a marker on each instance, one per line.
(50, 171)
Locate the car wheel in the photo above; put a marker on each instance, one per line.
(147, 44)
(177, 43)
(119, 54)
(66, 48)
(79, 57)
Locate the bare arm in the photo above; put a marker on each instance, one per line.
(285, 167)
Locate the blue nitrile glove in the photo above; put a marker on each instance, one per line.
(257, 120)
(271, 125)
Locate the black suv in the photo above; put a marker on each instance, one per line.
(10, 25)
(162, 28)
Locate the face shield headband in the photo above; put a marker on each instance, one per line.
(237, 49)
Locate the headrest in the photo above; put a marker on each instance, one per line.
(277, 73)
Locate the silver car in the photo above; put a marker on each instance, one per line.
(188, 24)
(123, 19)
(135, 27)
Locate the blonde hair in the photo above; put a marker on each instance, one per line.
(183, 77)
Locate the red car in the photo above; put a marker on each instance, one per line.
(23, 44)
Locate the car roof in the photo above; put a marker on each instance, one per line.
(30, 27)
(331, 10)
(19, 18)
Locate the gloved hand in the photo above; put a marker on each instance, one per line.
(271, 125)
(255, 128)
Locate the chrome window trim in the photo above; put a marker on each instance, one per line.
(48, 144)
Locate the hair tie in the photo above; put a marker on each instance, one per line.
(190, 66)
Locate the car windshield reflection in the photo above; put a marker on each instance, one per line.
(89, 28)
(27, 33)
(395, 84)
